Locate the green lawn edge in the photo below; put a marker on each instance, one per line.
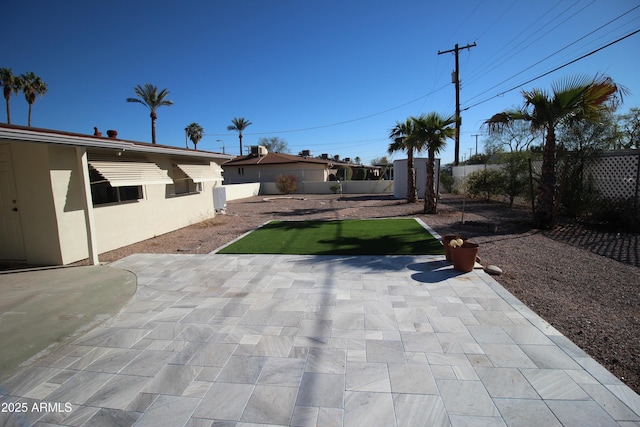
(389, 236)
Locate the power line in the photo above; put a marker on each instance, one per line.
(556, 52)
(491, 64)
(554, 70)
(338, 123)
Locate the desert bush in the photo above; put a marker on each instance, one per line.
(615, 214)
(286, 184)
(514, 174)
(446, 180)
(486, 183)
(345, 173)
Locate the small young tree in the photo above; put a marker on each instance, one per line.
(514, 174)
(286, 184)
(485, 182)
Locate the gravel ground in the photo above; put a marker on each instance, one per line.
(584, 282)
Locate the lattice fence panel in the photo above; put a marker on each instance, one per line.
(614, 175)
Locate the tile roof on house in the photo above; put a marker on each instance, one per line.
(275, 159)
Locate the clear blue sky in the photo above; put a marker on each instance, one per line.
(330, 76)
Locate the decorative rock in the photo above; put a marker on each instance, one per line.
(493, 270)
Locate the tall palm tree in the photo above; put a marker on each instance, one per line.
(571, 100)
(194, 132)
(432, 131)
(402, 135)
(32, 86)
(150, 97)
(12, 84)
(239, 124)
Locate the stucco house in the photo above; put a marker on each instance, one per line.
(263, 166)
(66, 197)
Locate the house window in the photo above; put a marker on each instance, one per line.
(102, 192)
(183, 184)
(240, 171)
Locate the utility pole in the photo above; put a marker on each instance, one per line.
(219, 140)
(476, 135)
(455, 77)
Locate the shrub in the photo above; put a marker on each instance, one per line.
(514, 174)
(615, 214)
(345, 173)
(446, 180)
(486, 182)
(286, 184)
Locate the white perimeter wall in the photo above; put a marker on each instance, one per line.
(348, 187)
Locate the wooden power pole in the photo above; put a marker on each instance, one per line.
(455, 79)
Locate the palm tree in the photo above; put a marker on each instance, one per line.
(239, 124)
(403, 139)
(432, 131)
(32, 86)
(572, 100)
(194, 132)
(12, 84)
(150, 97)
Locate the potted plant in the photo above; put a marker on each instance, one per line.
(447, 248)
(463, 254)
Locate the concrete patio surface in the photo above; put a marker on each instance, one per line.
(246, 340)
(44, 308)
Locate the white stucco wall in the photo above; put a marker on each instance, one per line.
(122, 224)
(267, 173)
(35, 203)
(51, 207)
(242, 191)
(348, 187)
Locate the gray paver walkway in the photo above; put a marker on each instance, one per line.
(318, 340)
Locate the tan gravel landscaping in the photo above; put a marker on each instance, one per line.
(584, 282)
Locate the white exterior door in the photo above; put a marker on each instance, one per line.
(11, 239)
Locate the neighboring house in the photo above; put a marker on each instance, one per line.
(263, 166)
(66, 197)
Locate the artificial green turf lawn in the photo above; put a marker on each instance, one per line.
(341, 237)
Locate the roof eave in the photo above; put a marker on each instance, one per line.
(39, 136)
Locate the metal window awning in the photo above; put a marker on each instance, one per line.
(202, 173)
(126, 172)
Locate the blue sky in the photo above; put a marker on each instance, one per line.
(330, 76)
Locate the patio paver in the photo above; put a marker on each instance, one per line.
(318, 340)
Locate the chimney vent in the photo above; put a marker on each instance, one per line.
(112, 133)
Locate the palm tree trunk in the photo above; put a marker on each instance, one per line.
(29, 119)
(153, 130)
(430, 199)
(240, 138)
(8, 111)
(412, 191)
(544, 217)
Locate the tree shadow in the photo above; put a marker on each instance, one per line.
(622, 247)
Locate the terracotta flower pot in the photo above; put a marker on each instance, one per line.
(447, 249)
(464, 257)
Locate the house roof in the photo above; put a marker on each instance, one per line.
(38, 135)
(276, 159)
